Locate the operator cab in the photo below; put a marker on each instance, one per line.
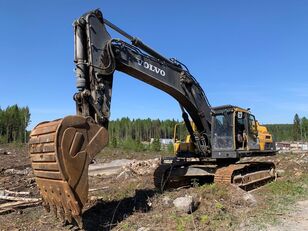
(234, 132)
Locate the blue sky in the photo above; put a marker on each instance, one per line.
(248, 53)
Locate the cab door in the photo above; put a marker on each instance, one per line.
(252, 133)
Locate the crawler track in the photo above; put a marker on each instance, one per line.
(247, 175)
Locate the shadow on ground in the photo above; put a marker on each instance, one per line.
(107, 215)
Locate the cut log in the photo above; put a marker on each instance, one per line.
(6, 192)
(11, 198)
(6, 211)
(11, 206)
(97, 189)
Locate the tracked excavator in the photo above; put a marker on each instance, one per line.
(218, 137)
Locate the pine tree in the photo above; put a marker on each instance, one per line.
(304, 122)
(296, 128)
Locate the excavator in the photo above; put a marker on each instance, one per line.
(218, 137)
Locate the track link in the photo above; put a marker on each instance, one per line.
(246, 175)
(60, 153)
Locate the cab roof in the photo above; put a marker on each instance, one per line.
(228, 107)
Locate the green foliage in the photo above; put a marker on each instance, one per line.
(155, 146)
(219, 205)
(141, 129)
(170, 148)
(304, 128)
(281, 195)
(281, 132)
(3, 139)
(290, 132)
(213, 189)
(130, 144)
(139, 147)
(181, 221)
(288, 189)
(13, 123)
(132, 134)
(204, 218)
(296, 128)
(114, 142)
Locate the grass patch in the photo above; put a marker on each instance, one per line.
(183, 222)
(215, 212)
(279, 198)
(117, 194)
(109, 154)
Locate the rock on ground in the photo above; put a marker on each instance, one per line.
(249, 198)
(167, 202)
(280, 172)
(143, 229)
(187, 204)
(12, 171)
(142, 167)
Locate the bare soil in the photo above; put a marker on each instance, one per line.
(295, 220)
(132, 203)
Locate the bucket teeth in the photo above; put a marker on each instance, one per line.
(78, 221)
(68, 216)
(54, 210)
(61, 214)
(46, 206)
(60, 153)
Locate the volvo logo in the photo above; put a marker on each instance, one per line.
(151, 67)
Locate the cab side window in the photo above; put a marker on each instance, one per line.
(252, 124)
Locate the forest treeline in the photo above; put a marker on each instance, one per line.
(13, 123)
(281, 132)
(135, 133)
(298, 131)
(141, 129)
(125, 129)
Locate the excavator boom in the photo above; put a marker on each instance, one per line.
(98, 56)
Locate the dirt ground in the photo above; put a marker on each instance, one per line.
(130, 202)
(294, 221)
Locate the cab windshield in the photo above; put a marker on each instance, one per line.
(222, 131)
